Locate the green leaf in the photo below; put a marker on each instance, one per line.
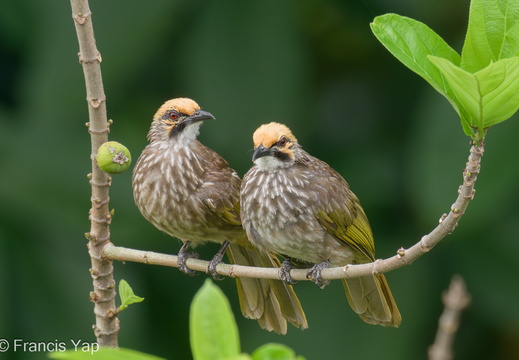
(104, 353)
(492, 35)
(411, 41)
(213, 329)
(489, 96)
(127, 295)
(275, 351)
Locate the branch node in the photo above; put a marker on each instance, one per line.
(97, 298)
(96, 102)
(91, 237)
(110, 314)
(471, 195)
(107, 220)
(96, 274)
(455, 210)
(94, 297)
(104, 315)
(345, 269)
(374, 271)
(83, 60)
(97, 203)
(233, 274)
(442, 218)
(102, 240)
(98, 333)
(99, 132)
(423, 246)
(81, 18)
(110, 286)
(101, 184)
(468, 183)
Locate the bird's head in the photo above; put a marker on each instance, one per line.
(274, 146)
(178, 120)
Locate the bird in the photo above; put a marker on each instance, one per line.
(297, 206)
(189, 192)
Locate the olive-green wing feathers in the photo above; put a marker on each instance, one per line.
(340, 213)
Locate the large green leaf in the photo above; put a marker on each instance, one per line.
(213, 330)
(489, 96)
(411, 41)
(275, 351)
(492, 35)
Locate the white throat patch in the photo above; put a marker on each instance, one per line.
(189, 134)
(269, 163)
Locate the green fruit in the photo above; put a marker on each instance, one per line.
(113, 157)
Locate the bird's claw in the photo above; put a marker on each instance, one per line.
(285, 276)
(314, 273)
(182, 258)
(211, 269)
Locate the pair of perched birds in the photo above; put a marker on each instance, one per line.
(289, 204)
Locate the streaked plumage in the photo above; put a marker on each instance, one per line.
(296, 205)
(189, 192)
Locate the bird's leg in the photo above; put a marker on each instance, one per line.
(286, 266)
(182, 258)
(314, 273)
(211, 269)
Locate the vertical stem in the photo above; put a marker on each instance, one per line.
(103, 296)
(455, 300)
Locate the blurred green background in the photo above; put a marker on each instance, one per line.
(313, 65)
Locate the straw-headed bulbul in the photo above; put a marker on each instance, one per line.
(297, 206)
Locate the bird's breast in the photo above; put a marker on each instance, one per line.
(166, 183)
(279, 206)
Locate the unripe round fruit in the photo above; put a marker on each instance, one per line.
(113, 157)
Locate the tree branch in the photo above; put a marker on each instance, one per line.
(103, 296)
(448, 223)
(455, 300)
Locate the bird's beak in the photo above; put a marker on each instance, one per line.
(260, 151)
(199, 115)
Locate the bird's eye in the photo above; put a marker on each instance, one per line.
(173, 115)
(282, 141)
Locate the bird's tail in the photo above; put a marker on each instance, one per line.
(271, 302)
(371, 298)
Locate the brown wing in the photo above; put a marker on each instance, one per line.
(221, 188)
(338, 210)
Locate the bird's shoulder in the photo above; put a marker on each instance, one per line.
(220, 190)
(337, 208)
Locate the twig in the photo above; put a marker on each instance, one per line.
(455, 300)
(103, 296)
(448, 223)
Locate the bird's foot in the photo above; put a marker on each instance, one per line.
(182, 258)
(286, 266)
(314, 273)
(211, 269)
